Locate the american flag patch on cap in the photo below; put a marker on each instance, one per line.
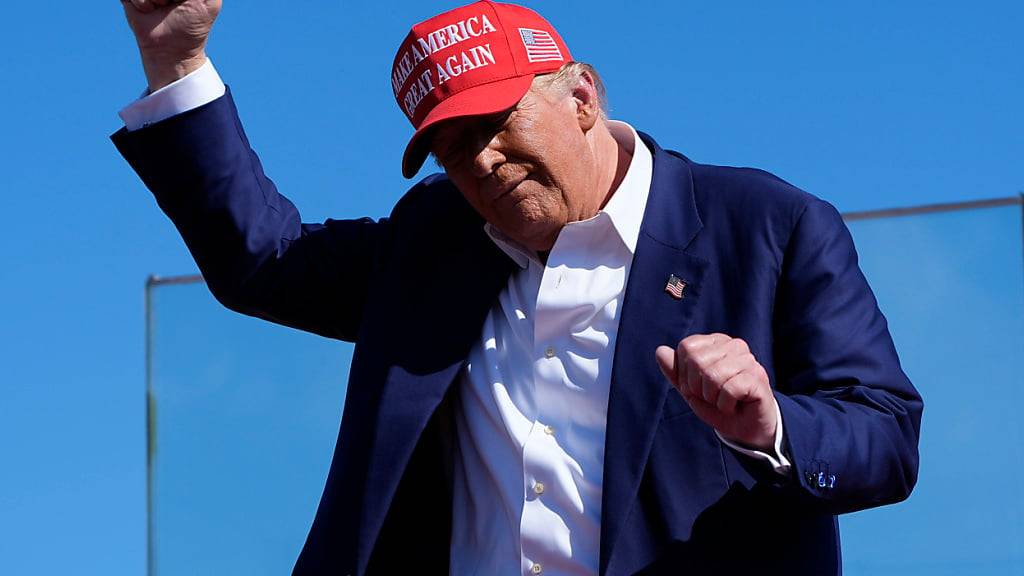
(540, 46)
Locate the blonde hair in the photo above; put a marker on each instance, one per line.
(566, 78)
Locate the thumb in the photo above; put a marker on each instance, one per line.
(667, 362)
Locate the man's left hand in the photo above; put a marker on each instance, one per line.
(726, 387)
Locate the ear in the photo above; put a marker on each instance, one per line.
(588, 105)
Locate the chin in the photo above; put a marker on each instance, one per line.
(529, 220)
(540, 239)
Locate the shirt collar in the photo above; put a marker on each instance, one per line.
(625, 208)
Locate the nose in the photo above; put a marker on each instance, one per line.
(488, 158)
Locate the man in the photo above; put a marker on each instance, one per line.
(515, 414)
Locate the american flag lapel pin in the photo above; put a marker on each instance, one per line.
(675, 287)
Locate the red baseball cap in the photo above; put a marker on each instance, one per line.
(477, 59)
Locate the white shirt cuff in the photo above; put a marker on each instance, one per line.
(198, 88)
(776, 458)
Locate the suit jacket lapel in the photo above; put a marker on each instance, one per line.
(407, 402)
(650, 317)
(420, 376)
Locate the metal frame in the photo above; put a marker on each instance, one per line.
(934, 208)
(1018, 200)
(152, 282)
(155, 281)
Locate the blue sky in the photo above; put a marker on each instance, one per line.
(869, 105)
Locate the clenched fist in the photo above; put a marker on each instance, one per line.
(171, 35)
(725, 385)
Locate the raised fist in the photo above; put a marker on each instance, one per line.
(725, 385)
(171, 35)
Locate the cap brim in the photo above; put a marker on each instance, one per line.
(483, 99)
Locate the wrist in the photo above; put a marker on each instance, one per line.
(761, 444)
(161, 70)
(765, 437)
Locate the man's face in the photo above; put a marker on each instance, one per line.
(527, 170)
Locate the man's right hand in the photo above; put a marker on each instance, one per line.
(171, 35)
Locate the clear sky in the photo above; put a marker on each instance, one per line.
(868, 104)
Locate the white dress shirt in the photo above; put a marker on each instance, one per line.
(530, 423)
(200, 87)
(534, 398)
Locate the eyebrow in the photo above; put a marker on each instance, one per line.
(499, 117)
(491, 122)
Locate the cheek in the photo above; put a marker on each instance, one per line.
(558, 150)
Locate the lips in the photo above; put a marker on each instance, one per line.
(507, 187)
(510, 187)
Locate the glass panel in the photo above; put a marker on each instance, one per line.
(243, 420)
(245, 414)
(952, 287)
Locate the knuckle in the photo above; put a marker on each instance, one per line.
(698, 363)
(689, 345)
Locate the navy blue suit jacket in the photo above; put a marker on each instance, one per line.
(762, 260)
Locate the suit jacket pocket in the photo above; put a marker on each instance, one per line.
(685, 473)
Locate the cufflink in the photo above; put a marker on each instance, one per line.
(818, 476)
(822, 480)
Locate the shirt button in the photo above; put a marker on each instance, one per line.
(538, 488)
(549, 430)
(549, 352)
(536, 568)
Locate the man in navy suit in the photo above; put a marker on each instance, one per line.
(615, 360)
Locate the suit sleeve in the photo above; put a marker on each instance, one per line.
(852, 416)
(255, 254)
